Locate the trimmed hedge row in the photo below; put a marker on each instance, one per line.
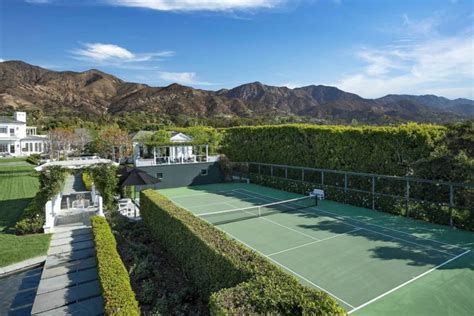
(382, 150)
(117, 292)
(235, 279)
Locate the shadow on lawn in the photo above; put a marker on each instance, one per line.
(10, 212)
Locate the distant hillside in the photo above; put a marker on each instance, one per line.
(94, 92)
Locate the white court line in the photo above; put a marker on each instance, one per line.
(313, 242)
(288, 269)
(198, 194)
(407, 282)
(337, 216)
(289, 228)
(224, 202)
(392, 229)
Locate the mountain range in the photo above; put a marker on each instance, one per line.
(93, 92)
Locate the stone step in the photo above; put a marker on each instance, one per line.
(69, 267)
(71, 239)
(71, 227)
(71, 247)
(51, 300)
(70, 233)
(61, 258)
(92, 306)
(66, 280)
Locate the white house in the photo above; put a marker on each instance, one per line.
(17, 139)
(180, 150)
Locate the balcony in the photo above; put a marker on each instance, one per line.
(141, 162)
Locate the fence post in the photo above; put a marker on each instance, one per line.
(302, 175)
(451, 203)
(345, 187)
(286, 172)
(373, 192)
(322, 179)
(271, 171)
(407, 198)
(259, 173)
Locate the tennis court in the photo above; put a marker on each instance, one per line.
(358, 256)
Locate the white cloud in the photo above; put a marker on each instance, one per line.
(198, 5)
(443, 65)
(187, 78)
(2, 60)
(110, 53)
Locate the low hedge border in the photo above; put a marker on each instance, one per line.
(235, 279)
(117, 292)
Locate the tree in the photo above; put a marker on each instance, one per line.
(81, 138)
(114, 143)
(60, 141)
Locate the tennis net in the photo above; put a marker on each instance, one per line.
(240, 214)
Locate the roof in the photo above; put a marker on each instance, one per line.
(76, 163)
(34, 137)
(137, 177)
(9, 120)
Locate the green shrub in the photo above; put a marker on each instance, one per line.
(105, 180)
(113, 277)
(233, 278)
(33, 159)
(87, 180)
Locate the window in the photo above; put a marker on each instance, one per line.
(159, 175)
(3, 130)
(12, 132)
(3, 148)
(39, 147)
(203, 172)
(12, 149)
(36, 147)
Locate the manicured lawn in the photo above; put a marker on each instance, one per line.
(18, 185)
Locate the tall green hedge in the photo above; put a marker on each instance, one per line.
(235, 279)
(383, 150)
(117, 292)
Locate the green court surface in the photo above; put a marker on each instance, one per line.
(371, 262)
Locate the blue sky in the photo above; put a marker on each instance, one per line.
(371, 48)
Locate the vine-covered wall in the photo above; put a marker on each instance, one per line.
(382, 150)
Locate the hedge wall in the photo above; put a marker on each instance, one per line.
(117, 292)
(233, 278)
(382, 150)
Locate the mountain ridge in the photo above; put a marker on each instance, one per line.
(94, 92)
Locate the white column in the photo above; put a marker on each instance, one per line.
(101, 210)
(93, 195)
(207, 152)
(49, 218)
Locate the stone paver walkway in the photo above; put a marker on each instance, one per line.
(69, 284)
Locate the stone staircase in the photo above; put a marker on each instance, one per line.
(69, 284)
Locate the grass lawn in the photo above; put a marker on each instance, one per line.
(18, 185)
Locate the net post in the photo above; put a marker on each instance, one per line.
(451, 203)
